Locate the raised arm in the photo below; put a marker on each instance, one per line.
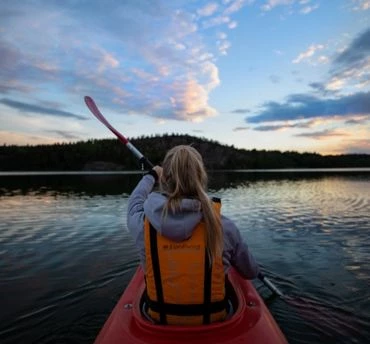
(135, 209)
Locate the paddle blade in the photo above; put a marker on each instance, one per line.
(96, 112)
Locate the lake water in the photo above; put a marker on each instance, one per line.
(66, 255)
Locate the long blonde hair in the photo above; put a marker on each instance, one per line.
(184, 176)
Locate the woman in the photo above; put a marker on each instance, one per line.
(186, 246)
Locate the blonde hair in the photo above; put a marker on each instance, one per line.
(184, 176)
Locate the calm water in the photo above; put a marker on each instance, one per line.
(66, 256)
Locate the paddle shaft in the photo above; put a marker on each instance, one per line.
(270, 285)
(96, 112)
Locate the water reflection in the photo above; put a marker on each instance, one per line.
(37, 183)
(65, 254)
(80, 184)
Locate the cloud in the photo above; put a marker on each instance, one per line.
(334, 84)
(322, 59)
(190, 100)
(221, 35)
(309, 9)
(240, 128)
(360, 120)
(232, 25)
(16, 86)
(17, 138)
(269, 5)
(297, 124)
(108, 61)
(13, 64)
(9, 56)
(308, 53)
(351, 67)
(31, 108)
(222, 43)
(216, 21)
(361, 5)
(358, 50)
(357, 77)
(300, 106)
(322, 88)
(241, 111)
(65, 134)
(235, 6)
(355, 146)
(270, 127)
(274, 79)
(323, 134)
(301, 7)
(223, 46)
(279, 127)
(224, 15)
(208, 9)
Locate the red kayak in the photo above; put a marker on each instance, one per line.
(251, 322)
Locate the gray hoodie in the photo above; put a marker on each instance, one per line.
(179, 226)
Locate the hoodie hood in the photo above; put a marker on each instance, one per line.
(175, 226)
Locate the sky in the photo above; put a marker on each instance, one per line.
(288, 75)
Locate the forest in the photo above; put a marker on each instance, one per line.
(112, 155)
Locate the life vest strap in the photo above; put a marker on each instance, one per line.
(186, 310)
(157, 273)
(207, 288)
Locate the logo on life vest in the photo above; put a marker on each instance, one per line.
(181, 246)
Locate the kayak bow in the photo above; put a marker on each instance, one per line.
(251, 322)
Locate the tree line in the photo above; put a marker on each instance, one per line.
(110, 154)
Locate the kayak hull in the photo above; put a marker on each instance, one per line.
(251, 322)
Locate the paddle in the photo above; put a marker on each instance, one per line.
(96, 112)
(269, 284)
(325, 317)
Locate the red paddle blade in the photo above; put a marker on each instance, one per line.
(96, 112)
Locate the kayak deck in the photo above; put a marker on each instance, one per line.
(251, 322)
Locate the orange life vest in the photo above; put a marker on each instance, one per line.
(182, 286)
